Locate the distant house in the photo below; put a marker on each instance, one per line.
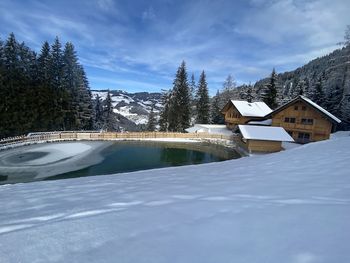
(304, 120)
(241, 112)
(262, 138)
(209, 128)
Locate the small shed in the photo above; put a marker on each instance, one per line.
(263, 138)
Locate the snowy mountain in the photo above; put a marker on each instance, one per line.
(291, 206)
(133, 106)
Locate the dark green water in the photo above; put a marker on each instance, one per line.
(135, 156)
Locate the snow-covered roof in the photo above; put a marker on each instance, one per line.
(311, 103)
(330, 115)
(209, 128)
(267, 122)
(251, 109)
(264, 133)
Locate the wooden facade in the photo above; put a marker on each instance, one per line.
(303, 121)
(234, 117)
(256, 138)
(263, 146)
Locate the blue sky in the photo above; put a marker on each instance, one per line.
(137, 45)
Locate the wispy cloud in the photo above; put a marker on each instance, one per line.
(148, 14)
(141, 43)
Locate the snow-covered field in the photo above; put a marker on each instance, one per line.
(290, 207)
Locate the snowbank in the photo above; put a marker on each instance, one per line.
(292, 206)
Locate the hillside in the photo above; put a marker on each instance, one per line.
(331, 72)
(292, 206)
(134, 108)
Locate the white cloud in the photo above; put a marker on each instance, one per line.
(316, 23)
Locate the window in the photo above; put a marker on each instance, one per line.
(303, 137)
(303, 108)
(307, 121)
(289, 120)
(295, 107)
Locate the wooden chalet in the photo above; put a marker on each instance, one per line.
(256, 138)
(304, 120)
(241, 112)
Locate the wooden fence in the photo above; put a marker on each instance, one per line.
(91, 136)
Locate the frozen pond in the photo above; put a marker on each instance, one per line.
(76, 159)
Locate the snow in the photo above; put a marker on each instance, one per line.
(60, 158)
(264, 122)
(265, 133)
(58, 152)
(101, 94)
(130, 104)
(251, 109)
(120, 98)
(209, 128)
(330, 115)
(291, 206)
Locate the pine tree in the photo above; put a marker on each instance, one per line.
(193, 98)
(13, 81)
(28, 101)
(179, 110)
(38, 92)
(347, 36)
(85, 100)
(151, 124)
(57, 64)
(216, 115)
(345, 111)
(98, 113)
(307, 89)
(249, 93)
(109, 118)
(164, 113)
(192, 87)
(270, 92)
(3, 92)
(302, 88)
(228, 86)
(61, 99)
(202, 99)
(335, 100)
(246, 92)
(318, 95)
(70, 83)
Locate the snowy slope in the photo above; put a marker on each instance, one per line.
(290, 207)
(133, 106)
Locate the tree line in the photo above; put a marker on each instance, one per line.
(42, 92)
(186, 103)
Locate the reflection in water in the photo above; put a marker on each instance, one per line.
(45, 162)
(128, 156)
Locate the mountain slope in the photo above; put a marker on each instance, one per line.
(332, 72)
(134, 107)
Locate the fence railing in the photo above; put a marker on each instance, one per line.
(72, 135)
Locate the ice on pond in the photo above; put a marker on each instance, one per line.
(44, 160)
